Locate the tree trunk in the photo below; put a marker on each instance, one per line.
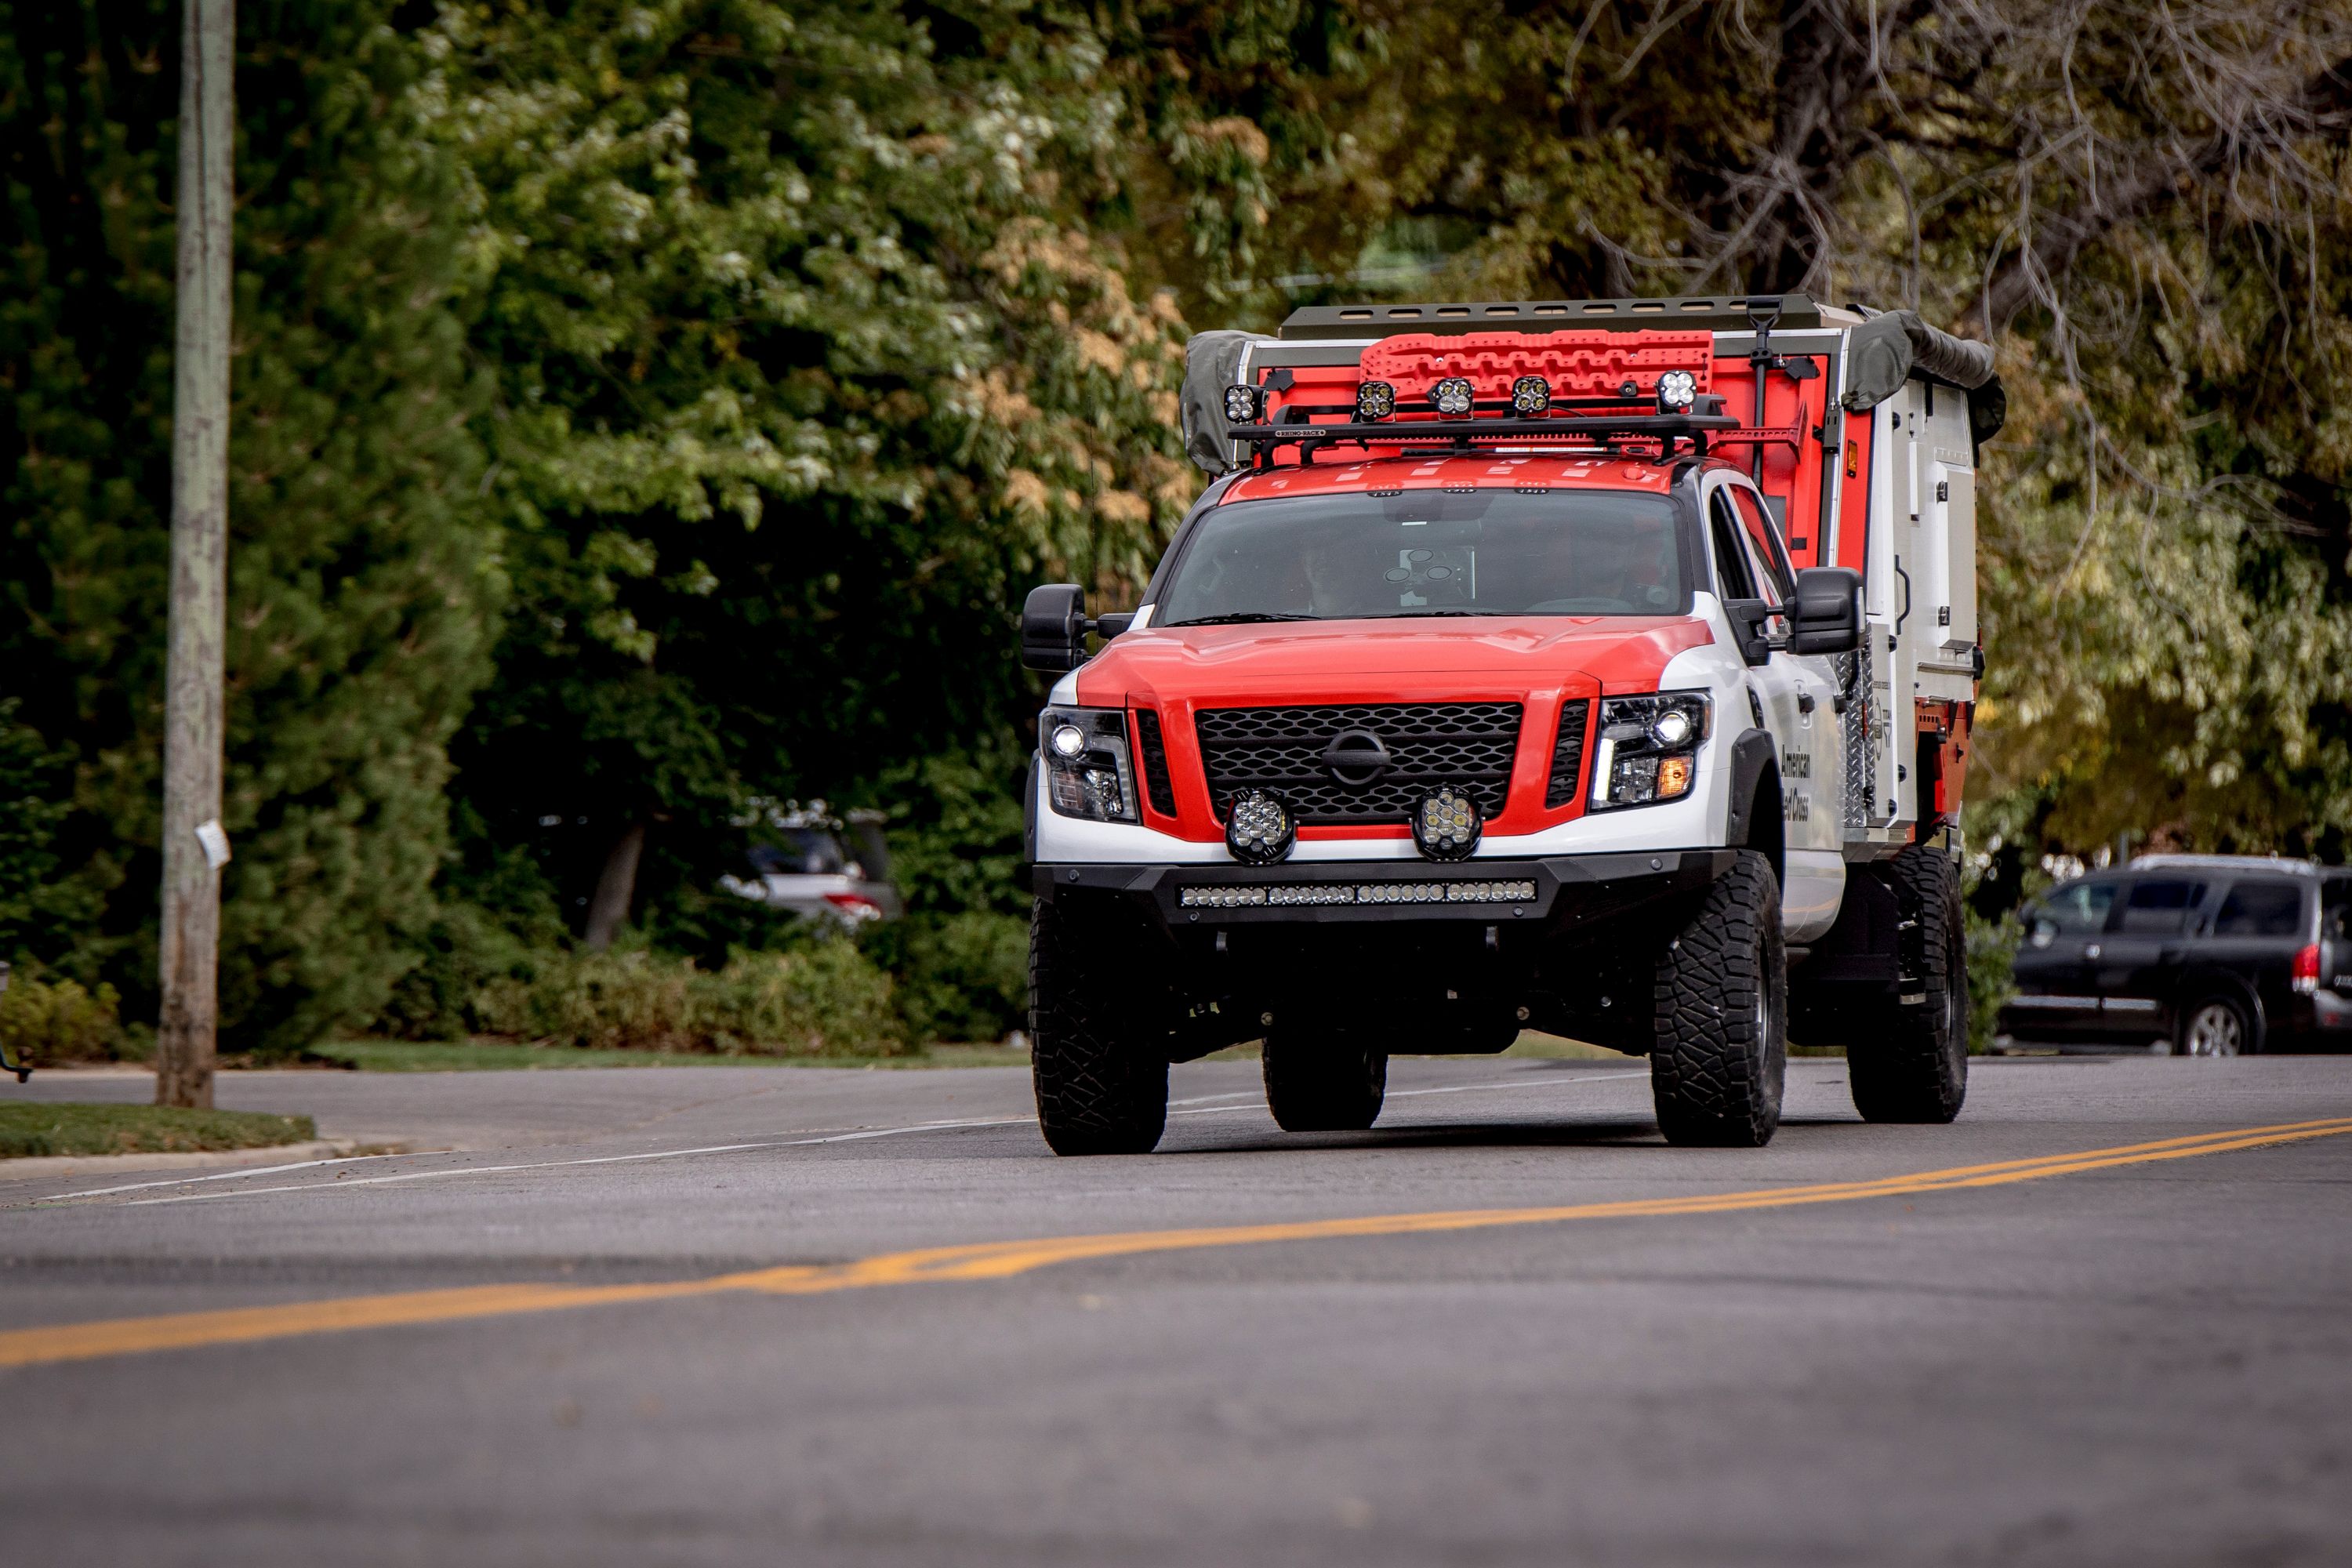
(617, 888)
(193, 850)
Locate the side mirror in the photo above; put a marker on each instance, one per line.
(1747, 617)
(1825, 615)
(1053, 629)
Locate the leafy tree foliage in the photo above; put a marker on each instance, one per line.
(801, 371)
(361, 591)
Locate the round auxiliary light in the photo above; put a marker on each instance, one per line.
(1259, 829)
(1671, 728)
(1375, 401)
(1447, 823)
(1530, 395)
(1676, 388)
(1244, 404)
(1067, 740)
(1451, 396)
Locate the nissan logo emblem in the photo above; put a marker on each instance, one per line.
(1356, 757)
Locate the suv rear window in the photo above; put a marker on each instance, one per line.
(2160, 908)
(805, 851)
(2261, 909)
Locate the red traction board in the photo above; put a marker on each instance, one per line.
(1588, 364)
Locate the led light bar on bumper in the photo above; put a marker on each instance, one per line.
(1293, 894)
(1089, 773)
(1648, 749)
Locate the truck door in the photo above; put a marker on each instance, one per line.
(1792, 701)
(1812, 748)
(2054, 998)
(2137, 965)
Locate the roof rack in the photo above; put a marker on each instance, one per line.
(1711, 312)
(2168, 861)
(1606, 431)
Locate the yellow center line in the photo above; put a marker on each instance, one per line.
(1002, 1259)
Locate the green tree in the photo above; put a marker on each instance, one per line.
(362, 589)
(803, 374)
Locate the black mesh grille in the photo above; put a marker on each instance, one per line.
(1281, 749)
(1566, 755)
(1157, 786)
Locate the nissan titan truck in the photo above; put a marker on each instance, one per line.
(1603, 667)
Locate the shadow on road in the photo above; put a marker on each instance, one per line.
(1448, 1135)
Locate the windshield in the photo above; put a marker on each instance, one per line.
(1430, 552)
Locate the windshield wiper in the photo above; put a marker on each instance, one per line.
(1425, 614)
(1238, 618)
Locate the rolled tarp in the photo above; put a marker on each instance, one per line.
(1212, 363)
(1889, 349)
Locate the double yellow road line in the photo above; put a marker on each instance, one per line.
(1002, 1259)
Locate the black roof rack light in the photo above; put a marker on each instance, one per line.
(1695, 312)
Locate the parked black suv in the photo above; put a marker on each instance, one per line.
(2194, 954)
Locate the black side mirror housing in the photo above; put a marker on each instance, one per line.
(1747, 617)
(1053, 629)
(1825, 615)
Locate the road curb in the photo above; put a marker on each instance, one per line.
(215, 1159)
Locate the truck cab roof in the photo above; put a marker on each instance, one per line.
(1472, 470)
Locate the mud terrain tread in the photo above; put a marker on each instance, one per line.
(1713, 1081)
(1319, 1082)
(1916, 1067)
(1100, 1089)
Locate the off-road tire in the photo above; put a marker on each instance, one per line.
(1322, 1081)
(1911, 1063)
(1101, 1077)
(1720, 1047)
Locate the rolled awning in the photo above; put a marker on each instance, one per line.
(1210, 363)
(1890, 349)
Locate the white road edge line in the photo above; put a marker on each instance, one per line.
(225, 1175)
(339, 1187)
(558, 1165)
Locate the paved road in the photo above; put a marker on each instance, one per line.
(627, 1354)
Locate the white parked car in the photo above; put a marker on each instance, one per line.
(806, 860)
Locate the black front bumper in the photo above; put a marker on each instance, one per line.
(1556, 891)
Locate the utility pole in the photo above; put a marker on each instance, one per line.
(194, 848)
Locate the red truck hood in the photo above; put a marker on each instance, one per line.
(1498, 657)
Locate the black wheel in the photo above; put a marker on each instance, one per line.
(1101, 1074)
(1719, 1049)
(1323, 1081)
(2220, 1025)
(1911, 1063)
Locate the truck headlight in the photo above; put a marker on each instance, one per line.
(1648, 749)
(1089, 773)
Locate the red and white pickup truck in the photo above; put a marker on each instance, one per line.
(1597, 666)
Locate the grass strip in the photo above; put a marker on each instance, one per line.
(505, 1056)
(30, 1130)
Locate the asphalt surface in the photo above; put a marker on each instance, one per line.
(2133, 1361)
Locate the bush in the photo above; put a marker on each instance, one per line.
(961, 954)
(823, 1000)
(465, 950)
(960, 977)
(1992, 944)
(45, 1023)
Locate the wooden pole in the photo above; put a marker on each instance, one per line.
(193, 846)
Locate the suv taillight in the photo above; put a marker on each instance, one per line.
(854, 907)
(2306, 970)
